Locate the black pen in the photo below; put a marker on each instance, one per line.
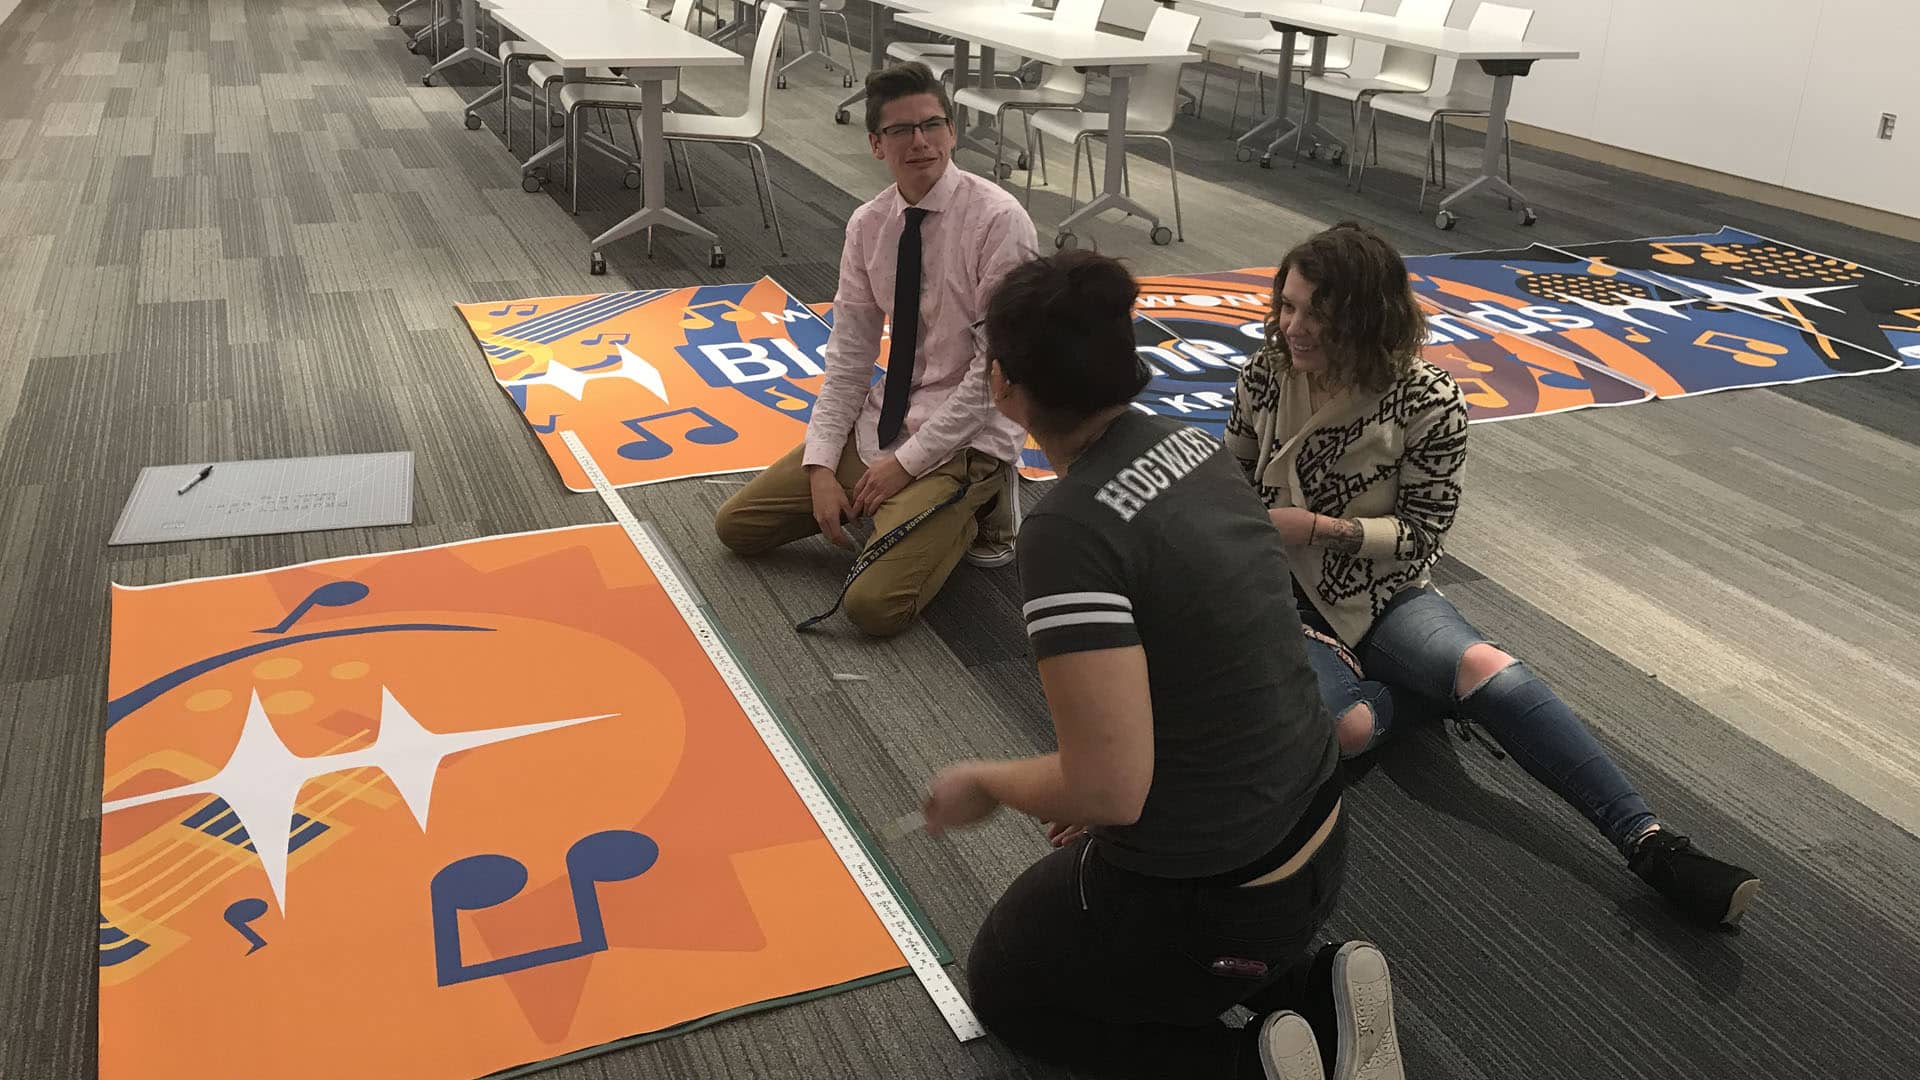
(202, 475)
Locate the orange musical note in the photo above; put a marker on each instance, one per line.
(691, 319)
(1485, 397)
(1750, 351)
(1637, 337)
(786, 402)
(1716, 254)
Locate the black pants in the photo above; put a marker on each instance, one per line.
(1115, 973)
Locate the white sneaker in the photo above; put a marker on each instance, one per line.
(1288, 1050)
(989, 553)
(1363, 1012)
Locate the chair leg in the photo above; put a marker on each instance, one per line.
(1200, 103)
(693, 185)
(1073, 190)
(1173, 176)
(1000, 140)
(633, 129)
(846, 32)
(506, 103)
(673, 161)
(1507, 153)
(778, 236)
(572, 134)
(1353, 139)
(1428, 177)
(1239, 84)
(1040, 150)
(1026, 122)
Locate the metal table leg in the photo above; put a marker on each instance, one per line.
(1309, 127)
(1490, 180)
(1111, 196)
(469, 43)
(653, 159)
(812, 41)
(881, 14)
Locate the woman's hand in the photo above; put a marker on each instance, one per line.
(1296, 524)
(957, 798)
(1060, 834)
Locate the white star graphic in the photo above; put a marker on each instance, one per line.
(262, 777)
(1757, 299)
(573, 383)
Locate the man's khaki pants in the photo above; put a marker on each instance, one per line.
(776, 508)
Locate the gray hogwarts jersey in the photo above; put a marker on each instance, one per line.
(1154, 538)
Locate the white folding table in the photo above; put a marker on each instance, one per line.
(1503, 58)
(1120, 58)
(650, 51)
(877, 40)
(469, 48)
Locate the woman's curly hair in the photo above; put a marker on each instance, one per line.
(1369, 323)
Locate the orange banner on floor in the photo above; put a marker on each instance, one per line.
(441, 813)
(659, 384)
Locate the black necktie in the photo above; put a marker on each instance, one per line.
(906, 327)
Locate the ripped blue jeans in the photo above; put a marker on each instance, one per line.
(1411, 660)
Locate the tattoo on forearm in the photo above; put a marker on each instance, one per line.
(1340, 534)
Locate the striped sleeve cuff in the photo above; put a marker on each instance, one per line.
(1079, 622)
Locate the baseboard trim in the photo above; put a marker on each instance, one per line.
(1884, 222)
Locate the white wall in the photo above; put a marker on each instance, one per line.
(1787, 92)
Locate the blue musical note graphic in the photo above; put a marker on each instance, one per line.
(332, 594)
(478, 882)
(240, 913)
(617, 339)
(553, 421)
(650, 447)
(500, 311)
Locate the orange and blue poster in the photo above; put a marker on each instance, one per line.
(1673, 341)
(1214, 323)
(659, 384)
(441, 813)
(1833, 303)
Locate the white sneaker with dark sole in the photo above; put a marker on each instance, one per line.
(1363, 1011)
(1288, 1050)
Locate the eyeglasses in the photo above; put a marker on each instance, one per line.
(902, 132)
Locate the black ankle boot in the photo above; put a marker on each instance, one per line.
(1706, 890)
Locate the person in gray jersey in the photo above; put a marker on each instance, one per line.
(1194, 800)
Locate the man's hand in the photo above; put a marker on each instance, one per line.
(830, 506)
(957, 798)
(1295, 524)
(883, 480)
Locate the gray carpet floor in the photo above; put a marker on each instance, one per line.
(237, 230)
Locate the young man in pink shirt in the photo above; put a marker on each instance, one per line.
(924, 255)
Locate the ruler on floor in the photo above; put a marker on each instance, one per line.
(872, 883)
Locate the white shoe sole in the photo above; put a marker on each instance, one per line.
(1288, 1050)
(998, 558)
(1742, 899)
(1363, 1009)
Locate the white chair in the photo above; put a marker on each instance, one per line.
(1152, 101)
(745, 128)
(1265, 65)
(1467, 91)
(1402, 70)
(619, 95)
(1061, 88)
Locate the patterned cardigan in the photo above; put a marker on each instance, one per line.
(1392, 461)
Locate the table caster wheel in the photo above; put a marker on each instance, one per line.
(1003, 170)
(413, 47)
(717, 259)
(427, 79)
(843, 117)
(780, 83)
(1243, 153)
(631, 181)
(530, 184)
(1065, 241)
(473, 122)
(1266, 161)
(1022, 163)
(1444, 220)
(846, 82)
(393, 20)
(1526, 216)
(596, 264)
(1313, 152)
(1161, 236)
(1337, 155)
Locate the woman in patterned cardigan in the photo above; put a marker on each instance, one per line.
(1357, 445)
